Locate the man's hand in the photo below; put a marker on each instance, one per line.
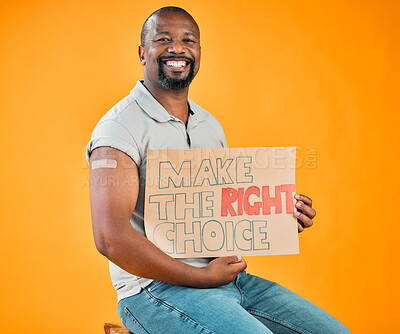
(305, 213)
(222, 271)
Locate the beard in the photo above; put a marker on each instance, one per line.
(174, 83)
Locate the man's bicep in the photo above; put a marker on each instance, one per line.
(114, 187)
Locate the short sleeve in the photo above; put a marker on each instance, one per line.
(219, 130)
(113, 134)
(223, 138)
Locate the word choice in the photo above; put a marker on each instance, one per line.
(212, 236)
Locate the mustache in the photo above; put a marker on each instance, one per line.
(165, 58)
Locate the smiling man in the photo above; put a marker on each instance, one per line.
(157, 293)
(178, 66)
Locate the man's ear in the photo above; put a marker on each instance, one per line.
(141, 55)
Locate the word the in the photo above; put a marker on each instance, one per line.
(201, 204)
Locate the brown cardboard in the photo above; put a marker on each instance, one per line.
(218, 202)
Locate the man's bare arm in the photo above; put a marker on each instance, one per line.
(114, 188)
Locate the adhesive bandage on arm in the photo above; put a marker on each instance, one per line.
(104, 163)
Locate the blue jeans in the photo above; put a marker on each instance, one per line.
(249, 305)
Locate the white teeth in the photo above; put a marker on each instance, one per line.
(172, 63)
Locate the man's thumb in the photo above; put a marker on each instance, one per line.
(234, 258)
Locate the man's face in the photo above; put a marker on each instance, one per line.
(171, 54)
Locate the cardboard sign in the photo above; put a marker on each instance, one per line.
(218, 202)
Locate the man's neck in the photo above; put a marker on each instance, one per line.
(174, 101)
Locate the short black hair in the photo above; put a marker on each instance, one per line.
(145, 28)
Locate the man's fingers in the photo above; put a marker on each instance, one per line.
(302, 218)
(304, 199)
(307, 210)
(239, 266)
(305, 213)
(232, 259)
(235, 262)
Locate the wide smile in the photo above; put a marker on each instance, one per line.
(176, 65)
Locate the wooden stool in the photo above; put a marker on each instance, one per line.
(116, 329)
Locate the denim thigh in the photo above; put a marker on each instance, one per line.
(250, 304)
(283, 311)
(162, 308)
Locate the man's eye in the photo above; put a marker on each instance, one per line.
(187, 40)
(164, 39)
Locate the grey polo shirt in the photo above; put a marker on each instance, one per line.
(136, 124)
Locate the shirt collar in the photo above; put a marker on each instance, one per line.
(156, 111)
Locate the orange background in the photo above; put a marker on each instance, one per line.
(275, 73)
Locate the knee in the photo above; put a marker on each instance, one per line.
(336, 327)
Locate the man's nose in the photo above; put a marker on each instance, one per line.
(176, 47)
